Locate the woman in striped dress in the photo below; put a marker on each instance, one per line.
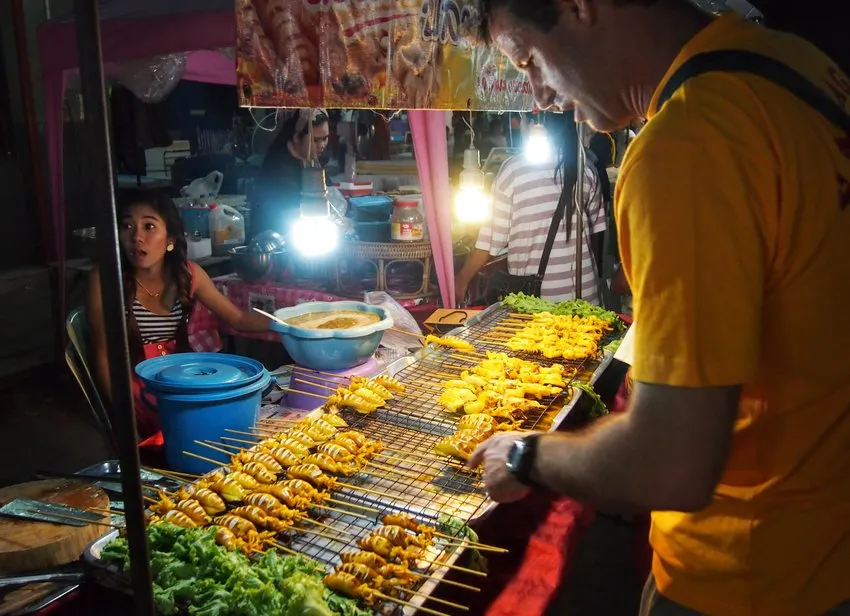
(161, 287)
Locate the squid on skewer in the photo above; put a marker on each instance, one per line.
(178, 518)
(229, 490)
(194, 511)
(209, 500)
(370, 559)
(272, 506)
(374, 386)
(453, 342)
(369, 396)
(336, 451)
(261, 457)
(227, 539)
(243, 479)
(312, 474)
(361, 572)
(348, 585)
(261, 519)
(455, 447)
(297, 447)
(390, 383)
(385, 548)
(399, 536)
(331, 418)
(305, 489)
(285, 495)
(283, 456)
(329, 465)
(259, 472)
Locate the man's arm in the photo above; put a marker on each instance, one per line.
(474, 262)
(666, 453)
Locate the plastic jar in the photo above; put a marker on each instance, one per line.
(408, 225)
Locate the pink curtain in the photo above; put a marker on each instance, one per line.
(428, 129)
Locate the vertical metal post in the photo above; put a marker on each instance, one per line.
(102, 196)
(581, 164)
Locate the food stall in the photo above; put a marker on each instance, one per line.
(356, 500)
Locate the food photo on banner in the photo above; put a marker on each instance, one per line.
(383, 54)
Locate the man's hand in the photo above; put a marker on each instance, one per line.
(461, 286)
(498, 480)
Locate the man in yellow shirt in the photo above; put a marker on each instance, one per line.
(734, 228)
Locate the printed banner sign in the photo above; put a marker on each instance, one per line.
(378, 54)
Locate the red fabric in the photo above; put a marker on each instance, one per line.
(549, 553)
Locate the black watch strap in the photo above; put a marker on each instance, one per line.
(522, 457)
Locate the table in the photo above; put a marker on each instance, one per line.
(204, 327)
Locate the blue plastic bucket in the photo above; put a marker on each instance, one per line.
(199, 399)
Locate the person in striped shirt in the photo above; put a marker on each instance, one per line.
(525, 196)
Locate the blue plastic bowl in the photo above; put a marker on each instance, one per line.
(200, 399)
(331, 349)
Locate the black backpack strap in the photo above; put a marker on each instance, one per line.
(553, 231)
(738, 61)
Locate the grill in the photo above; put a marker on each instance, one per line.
(422, 484)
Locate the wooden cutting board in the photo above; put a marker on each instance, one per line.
(27, 545)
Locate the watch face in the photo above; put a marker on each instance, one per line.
(515, 455)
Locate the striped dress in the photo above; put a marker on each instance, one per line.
(157, 327)
(524, 200)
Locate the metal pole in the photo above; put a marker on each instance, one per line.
(581, 163)
(102, 196)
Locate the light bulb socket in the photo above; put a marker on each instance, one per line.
(471, 159)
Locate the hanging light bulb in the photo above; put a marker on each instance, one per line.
(538, 148)
(314, 233)
(472, 203)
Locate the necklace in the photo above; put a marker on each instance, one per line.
(146, 290)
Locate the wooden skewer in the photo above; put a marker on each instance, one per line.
(213, 447)
(471, 543)
(306, 393)
(426, 610)
(312, 384)
(240, 432)
(319, 533)
(477, 546)
(455, 567)
(471, 360)
(363, 507)
(359, 489)
(172, 474)
(407, 333)
(104, 511)
(431, 456)
(430, 598)
(328, 526)
(282, 547)
(388, 471)
(520, 315)
(442, 581)
(342, 511)
(150, 499)
(71, 518)
(194, 455)
(225, 445)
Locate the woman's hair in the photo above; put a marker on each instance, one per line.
(296, 124)
(176, 268)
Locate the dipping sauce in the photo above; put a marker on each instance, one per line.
(334, 319)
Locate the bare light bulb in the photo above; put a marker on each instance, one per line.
(472, 203)
(538, 148)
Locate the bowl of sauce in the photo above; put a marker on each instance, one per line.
(331, 335)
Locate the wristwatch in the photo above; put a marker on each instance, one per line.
(521, 457)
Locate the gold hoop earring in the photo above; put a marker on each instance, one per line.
(170, 247)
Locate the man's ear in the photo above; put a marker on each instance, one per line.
(581, 11)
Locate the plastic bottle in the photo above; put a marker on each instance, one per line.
(227, 228)
(408, 225)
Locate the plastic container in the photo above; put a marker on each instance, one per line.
(357, 188)
(374, 208)
(199, 396)
(227, 228)
(331, 349)
(373, 231)
(408, 225)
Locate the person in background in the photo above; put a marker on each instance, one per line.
(279, 182)
(733, 217)
(161, 287)
(525, 196)
(495, 137)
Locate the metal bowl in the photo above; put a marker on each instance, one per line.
(266, 242)
(251, 265)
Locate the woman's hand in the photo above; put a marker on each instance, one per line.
(207, 293)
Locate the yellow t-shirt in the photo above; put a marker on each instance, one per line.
(734, 228)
